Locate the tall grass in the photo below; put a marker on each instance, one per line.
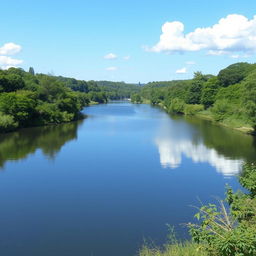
(178, 249)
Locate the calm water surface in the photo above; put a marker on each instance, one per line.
(100, 186)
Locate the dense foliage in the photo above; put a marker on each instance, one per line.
(28, 99)
(118, 90)
(230, 232)
(101, 91)
(225, 230)
(229, 97)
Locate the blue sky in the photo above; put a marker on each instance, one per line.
(71, 38)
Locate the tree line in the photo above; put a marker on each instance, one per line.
(229, 97)
(30, 99)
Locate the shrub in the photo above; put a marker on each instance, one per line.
(50, 113)
(191, 109)
(219, 109)
(136, 98)
(20, 105)
(7, 123)
(177, 106)
(230, 233)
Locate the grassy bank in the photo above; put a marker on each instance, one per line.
(224, 229)
(178, 249)
(231, 122)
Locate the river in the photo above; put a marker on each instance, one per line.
(103, 185)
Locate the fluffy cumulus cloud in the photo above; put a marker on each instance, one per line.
(110, 56)
(9, 49)
(111, 68)
(181, 71)
(7, 62)
(231, 35)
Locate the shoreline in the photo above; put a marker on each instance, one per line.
(242, 129)
(80, 116)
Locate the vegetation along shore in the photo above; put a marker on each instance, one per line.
(29, 99)
(228, 98)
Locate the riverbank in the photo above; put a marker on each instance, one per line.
(224, 229)
(178, 249)
(231, 123)
(228, 99)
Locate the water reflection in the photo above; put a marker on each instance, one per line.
(201, 143)
(171, 152)
(50, 139)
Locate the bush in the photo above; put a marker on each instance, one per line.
(230, 233)
(21, 105)
(50, 113)
(191, 109)
(220, 109)
(7, 123)
(177, 106)
(136, 98)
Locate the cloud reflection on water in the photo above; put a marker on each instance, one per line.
(173, 145)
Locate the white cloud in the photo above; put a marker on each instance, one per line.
(232, 34)
(8, 62)
(110, 56)
(127, 57)
(181, 71)
(10, 49)
(111, 68)
(190, 63)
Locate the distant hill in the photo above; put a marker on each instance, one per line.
(118, 90)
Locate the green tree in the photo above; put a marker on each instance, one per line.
(21, 105)
(136, 98)
(11, 82)
(31, 71)
(177, 106)
(209, 92)
(234, 73)
(195, 91)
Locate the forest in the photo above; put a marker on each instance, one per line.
(30, 99)
(228, 98)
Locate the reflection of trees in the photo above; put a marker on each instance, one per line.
(50, 139)
(225, 141)
(202, 141)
